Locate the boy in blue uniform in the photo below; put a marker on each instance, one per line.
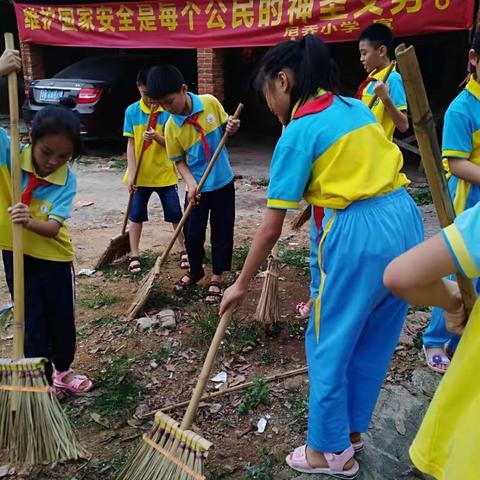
(157, 173)
(376, 50)
(461, 157)
(192, 134)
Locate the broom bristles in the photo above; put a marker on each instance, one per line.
(302, 218)
(268, 308)
(167, 452)
(142, 295)
(39, 432)
(118, 247)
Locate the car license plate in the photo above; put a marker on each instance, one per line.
(50, 95)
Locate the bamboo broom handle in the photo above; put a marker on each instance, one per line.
(424, 127)
(206, 370)
(384, 80)
(161, 260)
(18, 273)
(137, 170)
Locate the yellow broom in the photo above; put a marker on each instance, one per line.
(304, 216)
(174, 452)
(120, 245)
(33, 427)
(146, 288)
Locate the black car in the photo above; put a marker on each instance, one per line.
(98, 89)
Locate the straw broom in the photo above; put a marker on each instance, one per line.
(304, 216)
(424, 128)
(143, 293)
(33, 426)
(268, 308)
(174, 452)
(120, 245)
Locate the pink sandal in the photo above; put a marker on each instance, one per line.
(79, 385)
(303, 311)
(336, 463)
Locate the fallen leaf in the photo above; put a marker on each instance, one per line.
(100, 420)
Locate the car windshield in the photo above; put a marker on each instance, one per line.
(99, 68)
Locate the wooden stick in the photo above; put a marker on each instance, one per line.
(137, 170)
(428, 145)
(18, 273)
(372, 101)
(236, 388)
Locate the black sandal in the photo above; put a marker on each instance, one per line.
(134, 265)
(217, 296)
(181, 286)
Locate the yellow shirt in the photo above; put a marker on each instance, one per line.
(156, 170)
(447, 443)
(49, 202)
(396, 92)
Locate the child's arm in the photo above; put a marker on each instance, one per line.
(263, 242)
(154, 136)
(465, 170)
(192, 184)
(132, 164)
(20, 213)
(399, 117)
(10, 62)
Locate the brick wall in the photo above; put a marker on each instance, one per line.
(32, 59)
(211, 72)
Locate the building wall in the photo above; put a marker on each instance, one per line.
(210, 65)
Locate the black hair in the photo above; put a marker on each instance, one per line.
(476, 41)
(378, 34)
(142, 76)
(308, 59)
(164, 80)
(57, 121)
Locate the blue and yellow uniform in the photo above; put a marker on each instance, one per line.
(156, 169)
(461, 140)
(193, 138)
(49, 202)
(335, 155)
(446, 445)
(49, 276)
(396, 92)
(184, 141)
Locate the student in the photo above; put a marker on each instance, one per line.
(334, 153)
(446, 445)
(48, 187)
(157, 172)
(376, 52)
(192, 134)
(461, 156)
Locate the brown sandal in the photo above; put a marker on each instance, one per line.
(182, 286)
(217, 296)
(134, 265)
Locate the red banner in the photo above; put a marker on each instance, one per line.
(232, 23)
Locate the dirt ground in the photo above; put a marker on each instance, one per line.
(137, 373)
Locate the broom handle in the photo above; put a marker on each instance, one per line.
(424, 127)
(384, 80)
(206, 370)
(18, 273)
(137, 170)
(161, 260)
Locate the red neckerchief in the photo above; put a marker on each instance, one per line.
(318, 214)
(193, 120)
(314, 106)
(151, 124)
(363, 86)
(32, 184)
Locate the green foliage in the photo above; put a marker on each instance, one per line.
(422, 197)
(97, 298)
(120, 163)
(254, 396)
(103, 321)
(120, 389)
(264, 470)
(6, 319)
(298, 403)
(296, 258)
(239, 256)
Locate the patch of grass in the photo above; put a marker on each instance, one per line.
(6, 319)
(147, 259)
(240, 335)
(98, 299)
(269, 356)
(296, 258)
(239, 256)
(254, 396)
(162, 354)
(264, 470)
(205, 322)
(119, 163)
(298, 403)
(103, 321)
(422, 197)
(120, 389)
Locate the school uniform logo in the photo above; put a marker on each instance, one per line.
(44, 209)
(210, 118)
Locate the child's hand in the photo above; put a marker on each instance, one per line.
(20, 213)
(232, 126)
(132, 188)
(10, 62)
(150, 135)
(381, 90)
(193, 195)
(455, 317)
